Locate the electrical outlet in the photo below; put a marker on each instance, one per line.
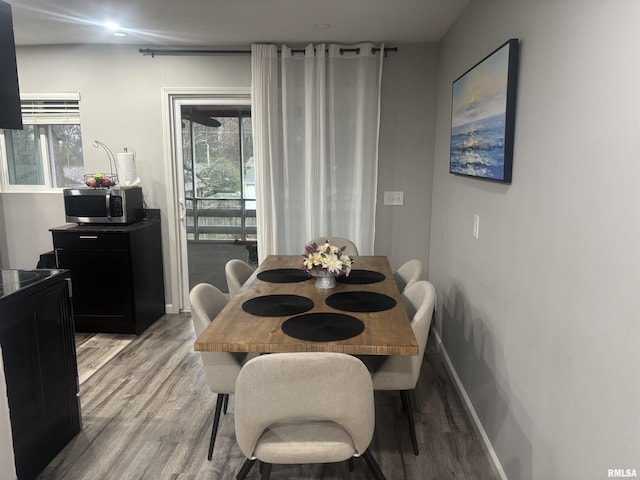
(394, 198)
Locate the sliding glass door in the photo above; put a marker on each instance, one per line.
(217, 197)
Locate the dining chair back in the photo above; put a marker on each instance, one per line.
(350, 249)
(221, 369)
(307, 407)
(408, 273)
(402, 372)
(237, 273)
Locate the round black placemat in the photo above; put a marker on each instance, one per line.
(358, 301)
(284, 275)
(323, 327)
(361, 277)
(277, 305)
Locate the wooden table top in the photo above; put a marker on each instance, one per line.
(385, 333)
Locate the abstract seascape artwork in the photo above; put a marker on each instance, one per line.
(483, 117)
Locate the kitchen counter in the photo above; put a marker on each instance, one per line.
(111, 228)
(39, 363)
(117, 274)
(17, 282)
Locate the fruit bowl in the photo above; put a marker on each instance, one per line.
(101, 180)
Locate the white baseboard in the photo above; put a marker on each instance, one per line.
(169, 308)
(491, 453)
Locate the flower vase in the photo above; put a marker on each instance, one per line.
(325, 280)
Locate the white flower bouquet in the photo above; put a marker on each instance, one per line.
(326, 259)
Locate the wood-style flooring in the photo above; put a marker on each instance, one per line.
(147, 414)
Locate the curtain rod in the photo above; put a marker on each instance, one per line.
(168, 51)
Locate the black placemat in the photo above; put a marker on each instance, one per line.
(322, 327)
(277, 305)
(358, 301)
(361, 277)
(284, 275)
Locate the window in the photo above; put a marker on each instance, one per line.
(47, 153)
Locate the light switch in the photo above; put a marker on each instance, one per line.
(476, 226)
(394, 198)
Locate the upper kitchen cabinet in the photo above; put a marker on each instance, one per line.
(10, 114)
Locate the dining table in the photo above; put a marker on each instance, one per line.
(280, 309)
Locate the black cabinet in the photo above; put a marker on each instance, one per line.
(38, 350)
(117, 275)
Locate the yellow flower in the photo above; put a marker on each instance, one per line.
(346, 262)
(313, 260)
(333, 264)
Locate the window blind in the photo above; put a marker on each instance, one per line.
(51, 111)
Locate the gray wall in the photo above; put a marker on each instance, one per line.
(27, 219)
(121, 105)
(540, 315)
(406, 152)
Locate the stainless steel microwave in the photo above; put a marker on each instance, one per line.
(103, 205)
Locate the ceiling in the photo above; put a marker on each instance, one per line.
(232, 22)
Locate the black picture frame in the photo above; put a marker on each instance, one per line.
(483, 110)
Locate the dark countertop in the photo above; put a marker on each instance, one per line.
(15, 282)
(114, 228)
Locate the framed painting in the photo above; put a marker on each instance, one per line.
(483, 116)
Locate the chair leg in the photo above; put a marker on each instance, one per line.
(226, 403)
(216, 421)
(408, 400)
(373, 465)
(404, 403)
(246, 467)
(266, 471)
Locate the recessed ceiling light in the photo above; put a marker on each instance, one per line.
(119, 34)
(322, 26)
(112, 25)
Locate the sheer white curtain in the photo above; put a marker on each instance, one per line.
(266, 124)
(316, 144)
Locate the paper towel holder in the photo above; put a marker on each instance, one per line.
(127, 168)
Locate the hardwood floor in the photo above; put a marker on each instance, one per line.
(147, 414)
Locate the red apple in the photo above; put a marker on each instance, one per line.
(106, 182)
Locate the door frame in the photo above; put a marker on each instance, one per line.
(172, 100)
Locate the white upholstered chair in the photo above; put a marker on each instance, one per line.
(220, 368)
(307, 407)
(350, 249)
(402, 372)
(237, 273)
(408, 273)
